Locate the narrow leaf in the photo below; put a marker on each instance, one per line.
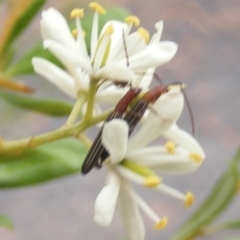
(6, 222)
(20, 15)
(209, 230)
(14, 85)
(44, 163)
(24, 65)
(55, 108)
(220, 197)
(231, 225)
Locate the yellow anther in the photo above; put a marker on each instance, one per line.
(144, 33)
(77, 12)
(132, 20)
(170, 147)
(189, 199)
(97, 7)
(75, 33)
(152, 181)
(109, 29)
(161, 224)
(196, 157)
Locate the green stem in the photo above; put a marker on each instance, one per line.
(17, 146)
(209, 230)
(87, 142)
(76, 109)
(90, 105)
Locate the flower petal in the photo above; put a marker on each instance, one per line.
(157, 36)
(134, 44)
(130, 213)
(116, 72)
(115, 139)
(106, 201)
(54, 26)
(167, 110)
(158, 158)
(116, 38)
(111, 94)
(184, 139)
(153, 55)
(144, 81)
(70, 59)
(55, 75)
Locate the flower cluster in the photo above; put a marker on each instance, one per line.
(181, 154)
(116, 54)
(120, 54)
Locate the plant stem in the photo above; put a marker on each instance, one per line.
(17, 146)
(90, 105)
(87, 142)
(76, 109)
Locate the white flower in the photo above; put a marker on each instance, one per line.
(131, 159)
(115, 54)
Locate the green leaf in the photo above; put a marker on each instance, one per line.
(20, 15)
(44, 163)
(24, 66)
(231, 225)
(209, 230)
(221, 196)
(50, 107)
(6, 222)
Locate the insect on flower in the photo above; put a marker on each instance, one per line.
(97, 153)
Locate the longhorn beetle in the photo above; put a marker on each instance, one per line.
(97, 152)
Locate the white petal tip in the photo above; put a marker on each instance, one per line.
(101, 221)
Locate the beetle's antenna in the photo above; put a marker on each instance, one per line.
(125, 47)
(157, 77)
(182, 86)
(189, 111)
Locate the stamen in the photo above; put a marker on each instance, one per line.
(77, 12)
(189, 199)
(109, 30)
(138, 168)
(144, 33)
(161, 224)
(196, 157)
(97, 7)
(140, 174)
(75, 33)
(170, 147)
(133, 20)
(152, 181)
(172, 192)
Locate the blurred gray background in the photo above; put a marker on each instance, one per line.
(208, 34)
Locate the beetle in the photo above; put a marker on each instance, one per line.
(97, 153)
(135, 114)
(137, 111)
